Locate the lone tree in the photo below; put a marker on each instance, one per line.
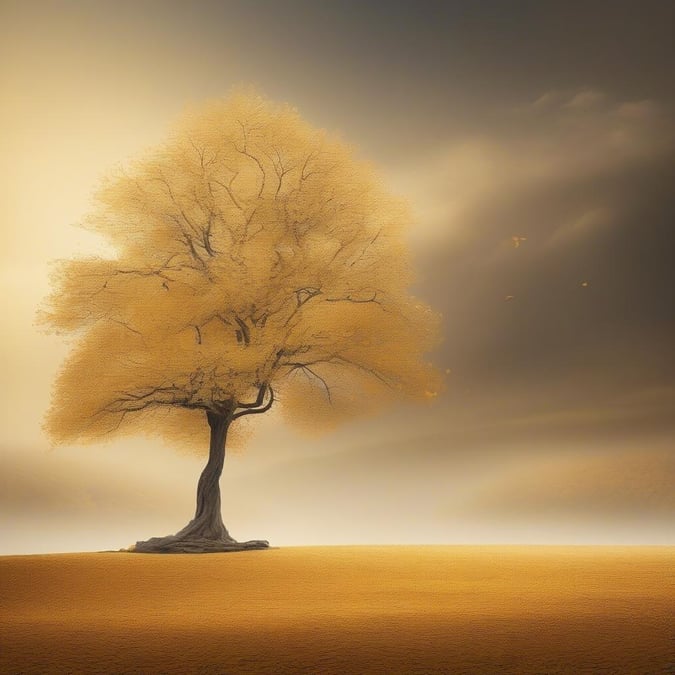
(256, 261)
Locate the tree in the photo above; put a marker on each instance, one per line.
(256, 261)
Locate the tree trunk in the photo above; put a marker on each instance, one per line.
(205, 533)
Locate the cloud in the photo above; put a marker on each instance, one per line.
(585, 183)
(585, 99)
(581, 226)
(587, 485)
(557, 141)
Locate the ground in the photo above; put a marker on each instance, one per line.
(436, 609)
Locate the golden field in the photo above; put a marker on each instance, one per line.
(380, 609)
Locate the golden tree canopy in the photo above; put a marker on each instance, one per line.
(254, 254)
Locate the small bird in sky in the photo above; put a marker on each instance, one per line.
(509, 297)
(516, 240)
(584, 284)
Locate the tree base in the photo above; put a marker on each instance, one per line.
(175, 544)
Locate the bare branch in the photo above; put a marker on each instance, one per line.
(338, 358)
(302, 295)
(343, 246)
(166, 183)
(246, 153)
(125, 325)
(245, 332)
(257, 411)
(308, 371)
(370, 371)
(366, 247)
(279, 168)
(356, 301)
(259, 400)
(228, 189)
(305, 175)
(187, 240)
(136, 401)
(200, 153)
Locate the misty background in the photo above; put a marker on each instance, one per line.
(534, 141)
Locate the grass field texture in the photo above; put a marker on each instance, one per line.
(389, 609)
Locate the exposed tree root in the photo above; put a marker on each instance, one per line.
(176, 544)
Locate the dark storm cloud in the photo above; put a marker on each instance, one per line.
(396, 77)
(400, 76)
(581, 301)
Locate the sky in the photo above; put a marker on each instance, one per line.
(550, 122)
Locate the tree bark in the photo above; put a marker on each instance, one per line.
(206, 532)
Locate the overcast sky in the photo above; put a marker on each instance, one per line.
(550, 122)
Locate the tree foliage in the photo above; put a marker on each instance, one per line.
(256, 259)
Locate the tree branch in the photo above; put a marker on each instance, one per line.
(357, 301)
(257, 411)
(250, 156)
(307, 369)
(366, 247)
(125, 325)
(245, 332)
(228, 189)
(259, 400)
(337, 358)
